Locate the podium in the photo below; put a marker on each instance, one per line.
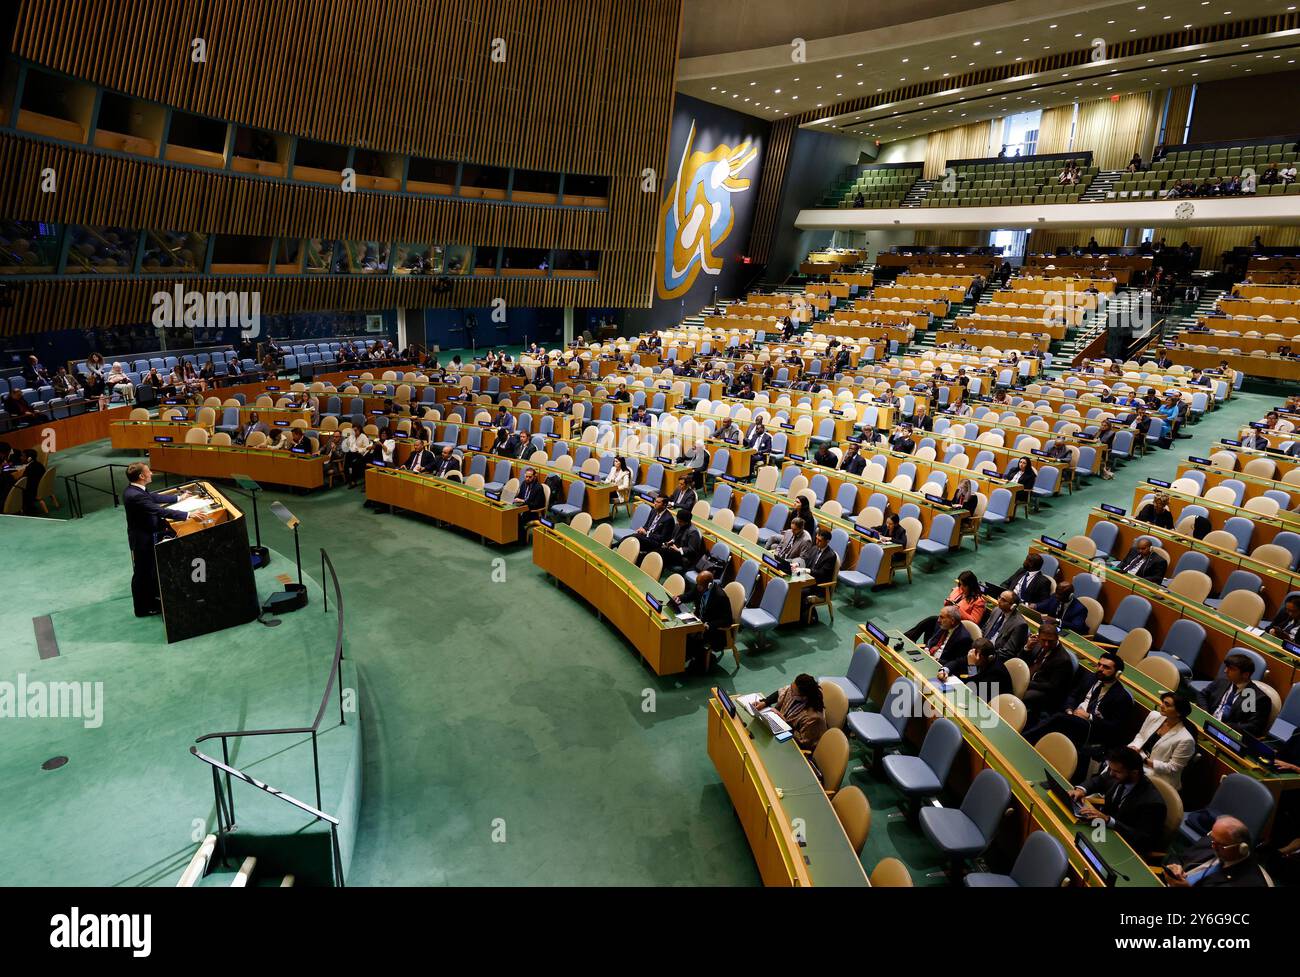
(205, 574)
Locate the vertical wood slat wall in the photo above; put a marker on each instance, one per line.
(586, 87)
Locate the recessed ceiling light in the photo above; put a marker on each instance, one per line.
(713, 88)
(752, 83)
(776, 91)
(977, 43)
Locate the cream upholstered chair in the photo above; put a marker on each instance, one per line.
(653, 565)
(581, 522)
(854, 811)
(1162, 670)
(1018, 669)
(604, 534)
(1192, 585)
(1011, 710)
(1135, 646)
(221, 438)
(890, 873)
(1058, 751)
(630, 548)
(1244, 606)
(836, 705)
(832, 759)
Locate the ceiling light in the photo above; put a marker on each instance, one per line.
(977, 43)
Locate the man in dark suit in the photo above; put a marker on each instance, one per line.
(1287, 623)
(713, 608)
(1143, 561)
(504, 419)
(1255, 439)
(1066, 608)
(1131, 805)
(516, 445)
(853, 462)
(658, 528)
(1224, 857)
(421, 459)
(684, 549)
(1235, 700)
(728, 432)
(501, 443)
(950, 641)
(147, 515)
(758, 439)
(901, 440)
(446, 464)
(1097, 716)
(684, 497)
(823, 565)
(1006, 628)
(532, 497)
(545, 376)
(1029, 583)
(1050, 671)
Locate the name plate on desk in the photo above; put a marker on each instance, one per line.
(493, 494)
(935, 499)
(1038, 451)
(656, 605)
(273, 386)
(1052, 541)
(299, 451)
(797, 457)
(729, 478)
(547, 523)
(588, 476)
(1114, 510)
(1160, 482)
(837, 413)
(781, 566)
(879, 635)
(1198, 461)
(163, 438)
(787, 427)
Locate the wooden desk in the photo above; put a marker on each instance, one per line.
(991, 742)
(267, 466)
(797, 581)
(1266, 527)
(617, 588)
(445, 501)
(751, 764)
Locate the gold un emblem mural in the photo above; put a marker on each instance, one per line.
(697, 216)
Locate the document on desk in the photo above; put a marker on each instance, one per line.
(751, 701)
(686, 617)
(196, 503)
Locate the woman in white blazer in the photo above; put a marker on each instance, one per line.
(620, 478)
(1165, 742)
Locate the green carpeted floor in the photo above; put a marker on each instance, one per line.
(512, 738)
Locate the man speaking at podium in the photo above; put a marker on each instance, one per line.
(146, 523)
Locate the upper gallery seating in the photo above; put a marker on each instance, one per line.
(1011, 182)
(1198, 165)
(880, 186)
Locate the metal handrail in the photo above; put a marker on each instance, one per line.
(73, 482)
(334, 678)
(225, 815)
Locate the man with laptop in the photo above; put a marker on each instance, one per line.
(1130, 804)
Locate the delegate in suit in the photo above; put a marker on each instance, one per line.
(147, 517)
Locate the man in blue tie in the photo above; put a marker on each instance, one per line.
(1235, 700)
(1224, 857)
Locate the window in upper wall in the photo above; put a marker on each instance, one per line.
(288, 256)
(457, 259)
(196, 140)
(260, 151)
(576, 264)
(485, 259)
(101, 251)
(319, 162)
(484, 182)
(129, 125)
(366, 257)
(57, 107)
(536, 186)
(241, 254)
(418, 259)
(1020, 133)
(320, 256)
(586, 191)
(377, 171)
(29, 247)
(525, 262)
(173, 252)
(430, 176)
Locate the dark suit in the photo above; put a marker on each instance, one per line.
(1008, 632)
(1110, 726)
(32, 473)
(1139, 815)
(713, 607)
(1152, 569)
(1286, 627)
(854, 465)
(1025, 478)
(1161, 520)
(1034, 591)
(1049, 681)
(421, 458)
(1244, 874)
(1248, 708)
(445, 466)
(990, 682)
(684, 550)
(953, 654)
(147, 515)
(658, 531)
(1071, 617)
(683, 498)
(903, 445)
